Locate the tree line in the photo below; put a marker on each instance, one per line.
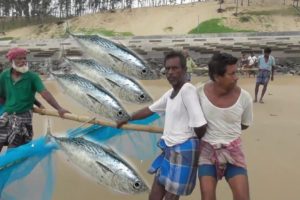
(67, 8)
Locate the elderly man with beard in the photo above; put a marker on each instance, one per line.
(176, 168)
(18, 86)
(228, 110)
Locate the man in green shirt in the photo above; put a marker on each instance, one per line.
(18, 86)
(190, 64)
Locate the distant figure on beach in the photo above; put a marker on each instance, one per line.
(175, 169)
(228, 110)
(266, 65)
(243, 62)
(252, 63)
(18, 86)
(190, 64)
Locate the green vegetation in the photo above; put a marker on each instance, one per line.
(6, 38)
(104, 32)
(244, 19)
(214, 26)
(168, 29)
(290, 11)
(15, 23)
(268, 25)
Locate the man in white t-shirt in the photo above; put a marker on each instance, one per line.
(184, 125)
(252, 63)
(252, 60)
(228, 110)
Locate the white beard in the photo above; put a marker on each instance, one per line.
(22, 69)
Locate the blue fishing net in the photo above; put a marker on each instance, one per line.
(137, 144)
(27, 172)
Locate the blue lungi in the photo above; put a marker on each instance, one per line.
(176, 167)
(263, 77)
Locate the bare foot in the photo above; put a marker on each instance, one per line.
(261, 101)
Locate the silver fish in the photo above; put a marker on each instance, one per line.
(126, 88)
(128, 62)
(92, 96)
(102, 164)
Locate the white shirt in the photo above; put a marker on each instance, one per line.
(183, 113)
(252, 60)
(224, 124)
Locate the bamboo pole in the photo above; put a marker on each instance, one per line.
(73, 117)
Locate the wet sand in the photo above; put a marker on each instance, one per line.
(271, 145)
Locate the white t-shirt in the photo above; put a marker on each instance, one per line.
(183, 113)
(252, 60)
(224, 124)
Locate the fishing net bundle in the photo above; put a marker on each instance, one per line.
(28, 172)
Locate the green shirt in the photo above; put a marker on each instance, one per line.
(190, 64)
(20, 95)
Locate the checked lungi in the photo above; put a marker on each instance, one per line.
(263, 76)
(17, 130)
(220, 155)
(176, 166)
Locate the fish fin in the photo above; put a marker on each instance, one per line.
(115, 57)
(100, 87)
(111, 151)
(113, 83)
(91, 97)
(104, 167)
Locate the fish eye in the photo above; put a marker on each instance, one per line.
(144, 71)
(141, 96)
(137, 185)
(120, 113)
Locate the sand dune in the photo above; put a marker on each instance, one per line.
(170, 20)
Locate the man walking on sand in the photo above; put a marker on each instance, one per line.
(266, 64)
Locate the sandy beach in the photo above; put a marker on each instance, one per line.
(271, 145)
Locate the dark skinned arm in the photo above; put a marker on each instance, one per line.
(51, 100)
(200, 131)
(38, 104)
(244, 127)
(140, 114)
(272, 73)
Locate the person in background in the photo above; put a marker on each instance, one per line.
(266, 65)
(252, 63)
(243, 62)
(18, 86)
(190, 64)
